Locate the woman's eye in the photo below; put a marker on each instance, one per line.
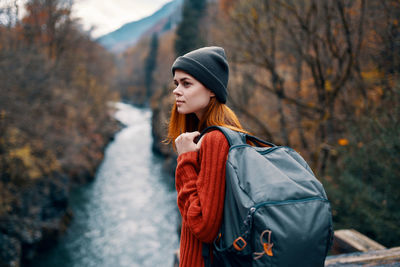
(186, 84)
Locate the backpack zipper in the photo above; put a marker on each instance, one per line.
(252, 210)
(265, 150)
(284, 202)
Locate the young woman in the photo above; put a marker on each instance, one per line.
(201, 79)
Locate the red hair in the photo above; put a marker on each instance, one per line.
(217, 114)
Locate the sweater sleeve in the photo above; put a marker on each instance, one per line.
(200, 183)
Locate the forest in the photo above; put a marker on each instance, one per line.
(319, 76)
(55, 84)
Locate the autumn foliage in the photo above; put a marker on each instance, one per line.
(323, 77)
(54, 122)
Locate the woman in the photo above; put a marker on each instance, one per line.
(201, 79)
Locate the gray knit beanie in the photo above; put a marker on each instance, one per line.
(209, 66)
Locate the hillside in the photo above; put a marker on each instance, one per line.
(162, 20)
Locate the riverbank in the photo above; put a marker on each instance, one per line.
(160, 105)
(35, 212)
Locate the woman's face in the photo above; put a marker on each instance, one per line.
(190, 95)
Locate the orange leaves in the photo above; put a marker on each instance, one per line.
(254, 14)
(2, 114)
(343, 142)
(328, 86)
(311, 104)
(372, 75)
(25, 157)
(226, 5)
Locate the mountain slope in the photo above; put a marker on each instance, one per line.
(126, 36)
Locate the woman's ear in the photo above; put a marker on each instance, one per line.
(212, 94)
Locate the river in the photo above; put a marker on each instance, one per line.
(127, 216)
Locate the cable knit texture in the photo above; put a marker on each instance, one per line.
(200, 183)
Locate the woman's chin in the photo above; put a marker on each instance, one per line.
(182, 111)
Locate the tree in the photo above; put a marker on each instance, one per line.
(188, 35)
(47, 24)
(151, 64)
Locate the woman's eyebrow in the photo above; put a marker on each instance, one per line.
(182, 79)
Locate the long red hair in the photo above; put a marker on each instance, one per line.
(217, 114)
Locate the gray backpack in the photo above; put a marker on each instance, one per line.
(276, 213)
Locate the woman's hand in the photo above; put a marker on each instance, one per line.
(185, 142)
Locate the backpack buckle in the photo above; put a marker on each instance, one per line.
(239, 244)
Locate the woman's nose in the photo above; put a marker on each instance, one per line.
(177, 91)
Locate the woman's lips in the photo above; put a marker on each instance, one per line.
(179, 102)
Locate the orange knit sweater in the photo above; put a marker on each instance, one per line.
(200, 183)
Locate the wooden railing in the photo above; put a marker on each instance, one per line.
(353, 248)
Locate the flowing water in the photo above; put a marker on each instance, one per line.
(128, 215)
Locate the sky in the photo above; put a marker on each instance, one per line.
(106, 15)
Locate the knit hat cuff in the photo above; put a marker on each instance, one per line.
(201, 73)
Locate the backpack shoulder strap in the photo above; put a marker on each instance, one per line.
(233, 137)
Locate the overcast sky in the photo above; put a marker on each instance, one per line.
(105, 15)
(109, 15)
